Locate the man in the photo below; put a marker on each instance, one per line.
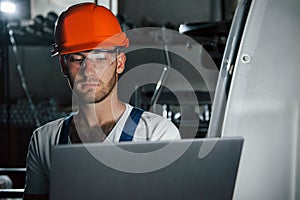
(89, 41)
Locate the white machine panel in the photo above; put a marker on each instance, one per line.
(264, 102)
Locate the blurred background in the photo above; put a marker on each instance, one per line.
(33, 91)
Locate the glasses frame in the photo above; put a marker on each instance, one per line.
(82, 63)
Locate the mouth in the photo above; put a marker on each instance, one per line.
(89, 85)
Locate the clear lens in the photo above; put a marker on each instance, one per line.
(101, 58)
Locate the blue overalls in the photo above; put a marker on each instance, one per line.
(126, 135)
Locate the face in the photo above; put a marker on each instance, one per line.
(93, 75)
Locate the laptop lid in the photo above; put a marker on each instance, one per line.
(183, 169)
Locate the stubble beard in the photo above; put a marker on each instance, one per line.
(100, 93)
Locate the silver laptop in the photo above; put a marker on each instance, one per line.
(183, 169)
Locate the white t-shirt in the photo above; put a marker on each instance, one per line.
(151, 127)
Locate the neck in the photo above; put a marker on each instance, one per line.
(108, 110)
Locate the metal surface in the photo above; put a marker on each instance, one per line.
(227, 68)
(8, 170)
(21, 75)
(162, 79)
(264, 102)
(11, 193)
(206, 170)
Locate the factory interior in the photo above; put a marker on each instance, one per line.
(214, 68)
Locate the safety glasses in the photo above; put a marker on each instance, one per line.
(99, 57)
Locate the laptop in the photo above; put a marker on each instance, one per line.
(182, 169)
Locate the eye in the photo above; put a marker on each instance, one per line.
(75, 58)
(100, 58)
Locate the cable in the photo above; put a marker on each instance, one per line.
(22, 77)
(164, 74)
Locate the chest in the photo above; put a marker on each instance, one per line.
(70, 132)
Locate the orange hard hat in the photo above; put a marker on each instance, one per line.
(87, 26)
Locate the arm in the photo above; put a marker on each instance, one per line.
(36, 183)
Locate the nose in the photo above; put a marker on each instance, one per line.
(88, 67)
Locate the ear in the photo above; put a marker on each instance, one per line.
(121, 59)
(63, 66)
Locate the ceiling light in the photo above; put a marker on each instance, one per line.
(7, 7)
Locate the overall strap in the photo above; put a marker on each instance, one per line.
(131, 124)
(64, 133)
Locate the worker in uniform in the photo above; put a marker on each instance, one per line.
(89, 43)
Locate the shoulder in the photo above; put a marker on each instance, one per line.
(49, 130)
(46, 135)
(159, 127)
(155, 119)
(152, 127)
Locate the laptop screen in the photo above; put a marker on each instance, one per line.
(183, 169)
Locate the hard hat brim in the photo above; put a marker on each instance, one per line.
(119, 40)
